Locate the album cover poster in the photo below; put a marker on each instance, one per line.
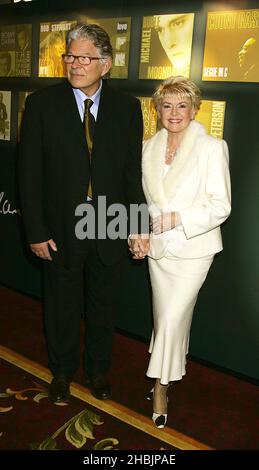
(21, 105)
(231, 50)
(15, 50)
(119, 32)
(211, 114)
(52, 46)
(166, 45)
(5, 115)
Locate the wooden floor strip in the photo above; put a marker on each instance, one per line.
(132, 418)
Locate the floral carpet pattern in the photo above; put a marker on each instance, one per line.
(77, 429)
(30, 422)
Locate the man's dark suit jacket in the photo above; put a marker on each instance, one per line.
(55, 167)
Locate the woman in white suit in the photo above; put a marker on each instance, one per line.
(187, 186)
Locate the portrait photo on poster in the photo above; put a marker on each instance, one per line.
(7, 63)
(239, 62)
(166, 45)
(15, 50)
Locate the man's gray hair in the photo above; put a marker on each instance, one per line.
(93, 33)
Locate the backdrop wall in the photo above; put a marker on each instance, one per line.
(226, 319)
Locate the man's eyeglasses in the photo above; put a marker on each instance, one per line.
(82, 59)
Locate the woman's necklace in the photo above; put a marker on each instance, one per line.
(170, 155)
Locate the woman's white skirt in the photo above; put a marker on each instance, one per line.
(175, 286)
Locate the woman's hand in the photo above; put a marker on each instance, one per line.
(139, 245)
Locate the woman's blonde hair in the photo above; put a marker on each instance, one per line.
(179, 86)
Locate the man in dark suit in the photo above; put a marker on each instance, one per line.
(59, 171)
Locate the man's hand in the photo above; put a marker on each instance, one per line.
(42, 249)
(163, 223)
(139, 245)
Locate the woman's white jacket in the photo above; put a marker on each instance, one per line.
(197, 186)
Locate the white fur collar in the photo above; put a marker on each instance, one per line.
(162, 189)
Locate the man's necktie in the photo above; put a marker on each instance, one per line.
(89, 123)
